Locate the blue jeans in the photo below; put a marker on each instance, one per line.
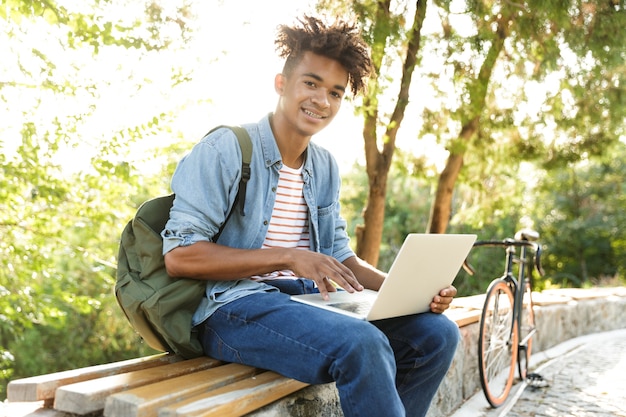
(388, 367)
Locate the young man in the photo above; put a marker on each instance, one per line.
(292, 239)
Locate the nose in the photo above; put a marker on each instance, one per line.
(320, 98)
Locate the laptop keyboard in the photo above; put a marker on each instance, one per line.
(358, 307)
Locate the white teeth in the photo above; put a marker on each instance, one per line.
(317, 116)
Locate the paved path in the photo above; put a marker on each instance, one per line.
(587, 377)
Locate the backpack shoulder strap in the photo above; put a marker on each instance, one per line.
(245, 143)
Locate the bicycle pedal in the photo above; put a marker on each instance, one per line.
(536, 381)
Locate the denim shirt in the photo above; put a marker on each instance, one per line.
(206, 184)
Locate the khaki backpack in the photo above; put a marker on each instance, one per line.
(158, 306)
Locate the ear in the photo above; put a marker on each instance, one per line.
(279, 83)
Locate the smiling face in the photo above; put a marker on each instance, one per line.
(310, 95)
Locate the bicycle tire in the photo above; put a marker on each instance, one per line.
(497, 343)
(527, 330)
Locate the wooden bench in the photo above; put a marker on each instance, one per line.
(159, 385)
(162, 385)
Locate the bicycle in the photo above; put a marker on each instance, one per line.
(507, 323)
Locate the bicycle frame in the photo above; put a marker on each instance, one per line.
(513, 284)
(518, 283)
(519, 295)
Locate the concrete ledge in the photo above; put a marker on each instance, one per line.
(560, 315)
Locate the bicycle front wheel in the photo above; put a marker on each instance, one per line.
(527, 330)
(497, 343)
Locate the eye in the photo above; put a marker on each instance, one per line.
(336, 94)
(309, 84)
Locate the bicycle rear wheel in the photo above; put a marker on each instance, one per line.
(526, 331)
(497, 343)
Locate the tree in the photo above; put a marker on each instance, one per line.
(576, 44)
(384, 28)
(475, 87)
(483, 63)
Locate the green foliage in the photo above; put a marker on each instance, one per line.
(60, 219)
(583, 220)
(57, 267)
(87, 26)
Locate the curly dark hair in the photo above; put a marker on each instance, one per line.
(340, 41)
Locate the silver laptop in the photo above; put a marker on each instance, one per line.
(425, 264)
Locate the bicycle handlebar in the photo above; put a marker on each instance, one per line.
(507, 243)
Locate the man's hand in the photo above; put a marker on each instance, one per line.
(325, 271)
(441, 302)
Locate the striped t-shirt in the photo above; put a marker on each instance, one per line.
(289, 225)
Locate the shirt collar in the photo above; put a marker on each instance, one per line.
(271, 153)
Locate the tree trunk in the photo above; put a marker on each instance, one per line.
(369, 234)
(441, 211)
(373, 218)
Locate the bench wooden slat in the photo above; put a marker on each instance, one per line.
(89, 396)
(473, 302)
(463, 316)
(28, 409)
(43, 387)
(236, 399)
(146, 400)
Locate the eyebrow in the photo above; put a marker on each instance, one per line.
(318, 78)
